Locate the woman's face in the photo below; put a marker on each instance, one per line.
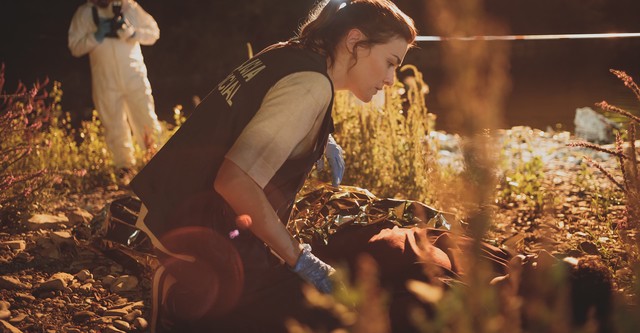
(375, 67)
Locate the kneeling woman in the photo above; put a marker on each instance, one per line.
(245, 152)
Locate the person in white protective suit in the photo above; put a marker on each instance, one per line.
(111, 33)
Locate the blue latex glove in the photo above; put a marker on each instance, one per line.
(104, 26)
(334, 154)
(314, 270)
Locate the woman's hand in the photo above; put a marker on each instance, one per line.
(314, 270)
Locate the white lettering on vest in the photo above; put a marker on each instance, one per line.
(230, 85)
(251, 69)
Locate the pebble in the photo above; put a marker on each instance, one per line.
(4, 310)
(17, 245)
(61, 238)
(12, 283)
(83, 275)
(134, 306)
(82, 316)
(107, 319)
(140, 323)
(121, 324)
(124, 283)
(72, 330)
(66, 277)
(112, 329)
(86, 287)
(78, 216)
(47, 294)
(52, 285)
(26, 297)
(589, 248)
(44, 221)
(131, 316)
(116, 312)
(8, 328)
(108, 280)
(18, 318)
(624, 272)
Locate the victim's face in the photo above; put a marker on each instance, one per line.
(375, 67)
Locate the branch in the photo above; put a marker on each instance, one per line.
(605, 172)
(628, 81)
(596, 147)
(611, 108)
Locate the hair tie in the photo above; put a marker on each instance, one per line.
(344, 4)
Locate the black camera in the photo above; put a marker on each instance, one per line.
(118, 20)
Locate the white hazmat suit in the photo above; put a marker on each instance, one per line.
(121, 90)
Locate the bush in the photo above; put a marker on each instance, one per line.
(385, 145)
(42, 154)
(22, 116)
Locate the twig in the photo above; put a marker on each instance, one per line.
(628, 81)
(605, 172)
(632, 163)
(625, 179)
(596, 147)
(612, 108)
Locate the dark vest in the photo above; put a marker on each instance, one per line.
(176, 186)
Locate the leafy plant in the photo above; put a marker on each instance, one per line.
(524, 184)
(385, 145)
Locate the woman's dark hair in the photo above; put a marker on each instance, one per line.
(330, 20)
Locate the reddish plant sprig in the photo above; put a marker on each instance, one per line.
(605, 172)
(22, 116)
(627, 160)
(28, 180)
(625, 179)
(633, 163)
(612, 108)
(12, 155)
(628, 81)
(590, 145)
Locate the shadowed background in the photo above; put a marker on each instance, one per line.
(200, 41)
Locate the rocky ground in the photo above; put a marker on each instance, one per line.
(56, 277)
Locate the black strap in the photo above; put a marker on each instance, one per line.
(94, 13)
